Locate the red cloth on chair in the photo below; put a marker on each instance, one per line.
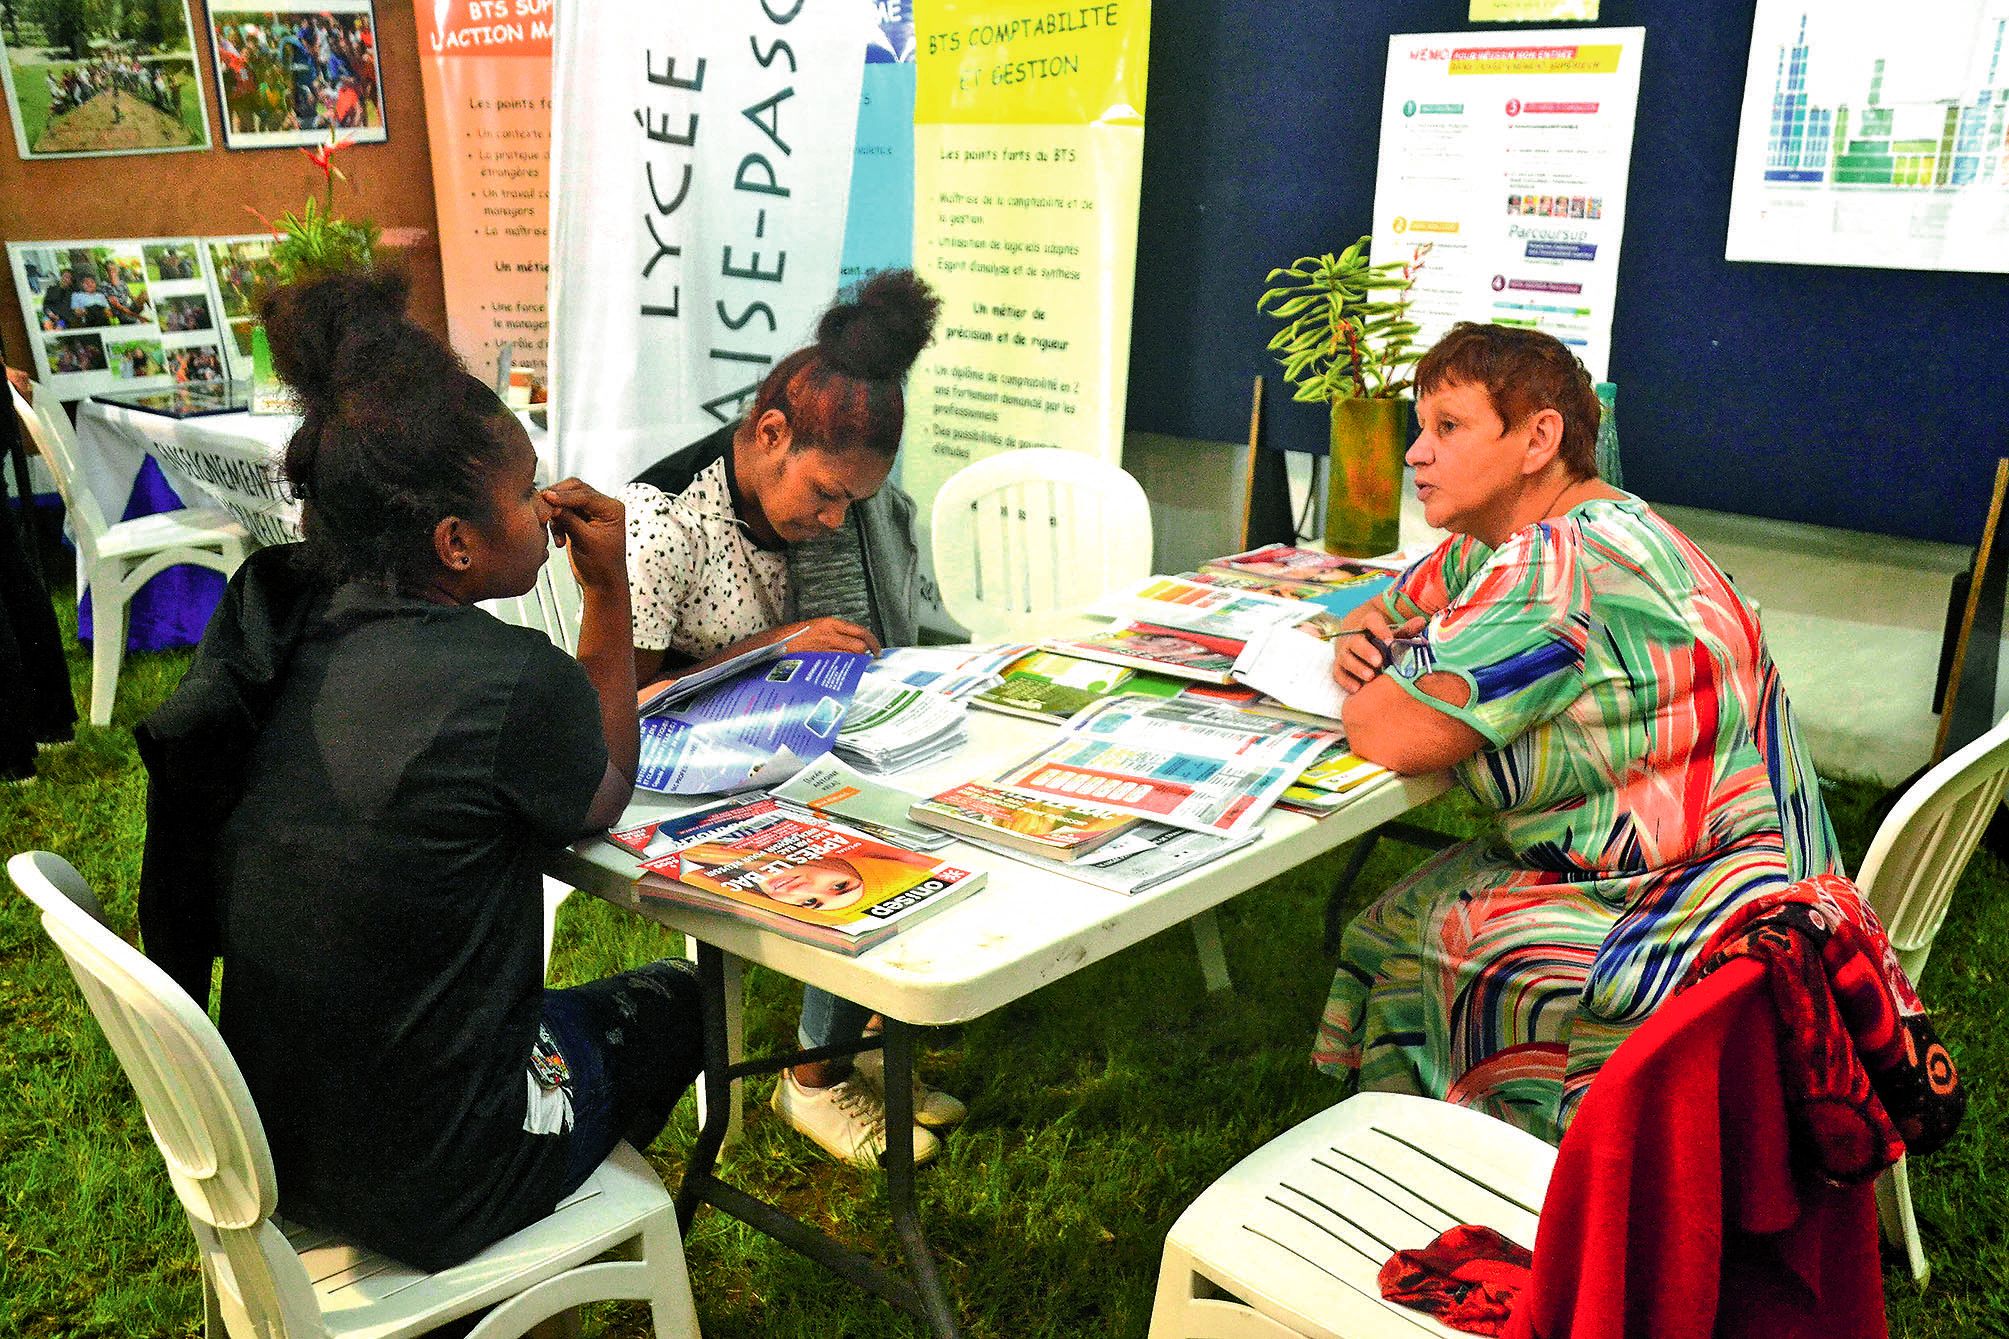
(1674, 1213)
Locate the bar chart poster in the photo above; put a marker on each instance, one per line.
(1875, 135)
(1506, 156)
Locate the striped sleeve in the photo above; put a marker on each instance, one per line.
(1515, 631)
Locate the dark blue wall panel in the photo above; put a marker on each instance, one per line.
(1870, 399)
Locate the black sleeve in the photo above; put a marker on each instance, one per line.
(552, 752)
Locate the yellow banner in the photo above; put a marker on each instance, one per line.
(1531, 11)
(983, 62)
(1025, 221)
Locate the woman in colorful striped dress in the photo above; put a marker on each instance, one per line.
(1595, 680)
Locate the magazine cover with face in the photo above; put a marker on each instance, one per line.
(805, 878)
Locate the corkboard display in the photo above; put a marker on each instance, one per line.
(205, 194)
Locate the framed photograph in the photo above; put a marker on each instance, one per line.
(131, 314)
(90, 80)
(240, 267)
(294, 77)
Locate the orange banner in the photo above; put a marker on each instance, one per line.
(486, 66)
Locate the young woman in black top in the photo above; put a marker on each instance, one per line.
(380, 903)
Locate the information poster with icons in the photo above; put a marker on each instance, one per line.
(1506, 155)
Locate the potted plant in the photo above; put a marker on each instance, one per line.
(1348, 340)
(313, 243)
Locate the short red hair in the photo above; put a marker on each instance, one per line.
(1523, 372)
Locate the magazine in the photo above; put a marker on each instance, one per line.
(1048, 686)
(1185, 655)
(1334, 599)
(1197, 607)
(754, 861)
(1333, 780)
(1193, 765)
(953, 671)
(891, 726)
(1296, 564)
(1056, 829)
(754, 729)
(1142, 858)
(827, 787)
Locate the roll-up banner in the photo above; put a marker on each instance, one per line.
(1028, 151)
(486, 67)
(703, 150)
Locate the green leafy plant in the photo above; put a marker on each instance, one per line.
(315, 242)
(1339, 341)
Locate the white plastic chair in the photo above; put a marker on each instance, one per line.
(1289, 1241)
(263, 1279)
(552, 607)
(1026, 539)
(1919, 853)
(121, 557)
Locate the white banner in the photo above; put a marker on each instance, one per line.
(701, 164)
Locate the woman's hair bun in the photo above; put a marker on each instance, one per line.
(321, 330)
(881, 329)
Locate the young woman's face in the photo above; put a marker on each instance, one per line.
(806, 491)
(515, 538)
(820, 885)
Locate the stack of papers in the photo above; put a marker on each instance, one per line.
(828, 789)
(1333, 780)
(1206, 768)
(1144, 857)
(953, 671)
(891, 726)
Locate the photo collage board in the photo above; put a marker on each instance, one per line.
(137, 314)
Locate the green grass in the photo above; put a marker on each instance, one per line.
(1099, 1107)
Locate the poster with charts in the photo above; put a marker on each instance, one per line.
(1506, 154)
(1875, 135)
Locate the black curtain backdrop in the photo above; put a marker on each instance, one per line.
(1869, 399)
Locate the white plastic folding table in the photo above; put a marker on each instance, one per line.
(1028, 927)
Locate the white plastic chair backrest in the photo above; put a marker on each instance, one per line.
(552, 606)
(1922, 848)
(1034, 533)
(49, 426)
(197, 1106)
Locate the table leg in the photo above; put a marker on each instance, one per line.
(899, 1162)
(921, 1294)
(732, 1007)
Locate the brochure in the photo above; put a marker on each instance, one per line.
(1196, 607)
(828, 788)
(754, 861)
(953, 671)
(1056, 829)
(1185, 655)
(1334, 599)
(690, 685)
(1193, 765)
(1296, 564)
(1049, 686)
(891, 726)
(1332, 781)
(1142, 858)
(1293, 664)
(755, 729)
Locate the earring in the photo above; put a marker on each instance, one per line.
(464, 560)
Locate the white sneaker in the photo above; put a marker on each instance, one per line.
(847, 1120)
(932, 1107)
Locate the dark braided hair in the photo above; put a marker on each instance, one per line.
(395, 435)
(844, 390)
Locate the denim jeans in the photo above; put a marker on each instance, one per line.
(632, 1044)
(828, 1020)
